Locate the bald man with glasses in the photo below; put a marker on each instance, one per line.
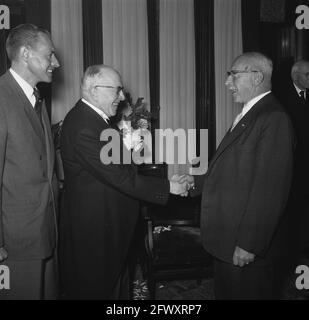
(101, 200)
(245, 189)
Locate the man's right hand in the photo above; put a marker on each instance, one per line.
(3, 254)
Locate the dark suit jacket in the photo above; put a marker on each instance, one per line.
(247, 183)
(28, 184)
(298, 204)
(299, 114)
(102, 206)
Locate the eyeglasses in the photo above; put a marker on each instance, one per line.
(233, 73)
(306, 74)
(119, 89)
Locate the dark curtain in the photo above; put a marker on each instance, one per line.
(250, 15)
(153, 16)
(92, 32)
(154, 58)
(205, 72)
(17, 16)
(3, 59)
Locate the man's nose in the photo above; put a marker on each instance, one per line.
(228, 80)
(121, 95)
(55, 63)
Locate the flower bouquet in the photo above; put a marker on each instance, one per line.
(136, 119)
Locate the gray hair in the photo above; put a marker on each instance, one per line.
(23, 35)
(262, 63)
(94, 74)
(298, 65)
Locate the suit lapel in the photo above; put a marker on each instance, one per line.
(239, 129)
(49, 144)
(94, 114)
(25, 104)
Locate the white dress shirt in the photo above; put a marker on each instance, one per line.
(299, 90)
(26, 87)
(247, 106)
(97, 110)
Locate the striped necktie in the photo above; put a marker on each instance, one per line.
(38, 105)
(302, 96)
(237, 119)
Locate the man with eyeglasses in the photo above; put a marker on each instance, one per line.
(101, 200)
(245, 189)
(294, 96)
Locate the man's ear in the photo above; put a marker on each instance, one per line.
(259, 78)
(93, 91)
(24, 53)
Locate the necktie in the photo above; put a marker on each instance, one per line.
(302, 96)
(38, 105)
(237, 119)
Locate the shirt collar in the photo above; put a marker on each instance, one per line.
(299, 90)
(252, 102)
(97, 110)
(26, 87)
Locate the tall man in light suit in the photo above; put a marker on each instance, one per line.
(28, 184)
(245, 189)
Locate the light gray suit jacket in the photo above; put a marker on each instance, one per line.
(28, 185)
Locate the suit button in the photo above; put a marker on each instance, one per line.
(41, 157)
(44, 174)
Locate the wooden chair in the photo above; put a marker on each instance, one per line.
(173, 243)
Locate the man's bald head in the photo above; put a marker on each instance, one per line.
(102, 87)
(250, 76)
(260, 62)
(300, 74)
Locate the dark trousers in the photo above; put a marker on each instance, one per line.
(251, 282)
(121, 290)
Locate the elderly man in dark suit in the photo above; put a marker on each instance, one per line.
(28, 183)
(245, 189)
(101, 200)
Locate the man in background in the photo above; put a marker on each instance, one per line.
(28, 183)
(294, 96)
(101, 200)
(245, 189)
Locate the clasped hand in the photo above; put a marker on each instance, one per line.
(181, 184)
(3, 254)
(242, 257)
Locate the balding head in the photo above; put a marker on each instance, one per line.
(259, 62)
(250, 76)
(300, 74)
(102, 87)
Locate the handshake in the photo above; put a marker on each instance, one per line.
(181, 184)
